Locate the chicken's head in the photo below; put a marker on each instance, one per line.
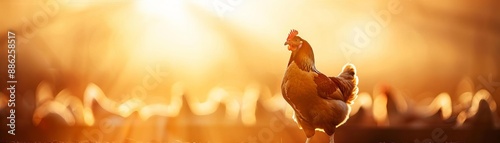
(293, 41)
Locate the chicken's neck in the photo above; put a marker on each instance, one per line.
(303, 57)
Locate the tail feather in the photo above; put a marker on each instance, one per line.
(349, 73)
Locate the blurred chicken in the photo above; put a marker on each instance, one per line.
(320, 102)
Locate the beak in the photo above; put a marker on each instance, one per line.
(286, 43)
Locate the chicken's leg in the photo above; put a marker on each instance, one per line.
(331, 139)
(308, 140)
(309, 132)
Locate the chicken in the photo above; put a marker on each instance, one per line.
(319, 102)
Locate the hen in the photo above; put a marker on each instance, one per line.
(320, 102)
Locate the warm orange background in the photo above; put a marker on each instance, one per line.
(236, 47)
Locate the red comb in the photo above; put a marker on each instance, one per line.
(292, 34)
